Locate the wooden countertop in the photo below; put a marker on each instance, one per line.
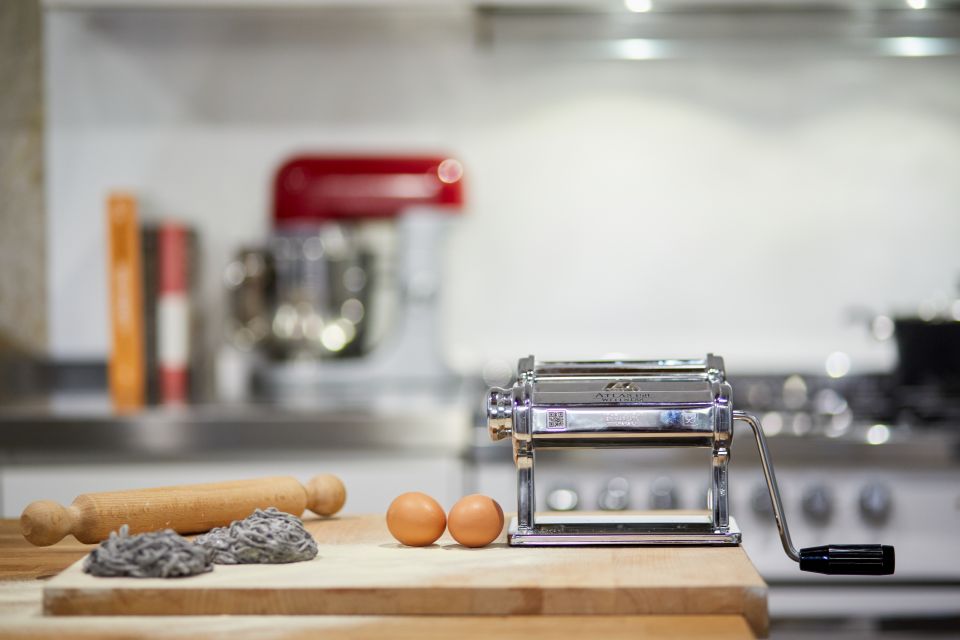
(25, 568)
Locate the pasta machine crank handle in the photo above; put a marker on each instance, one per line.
(834, 559)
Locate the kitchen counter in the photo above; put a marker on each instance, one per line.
(49, 432)
(24, 568)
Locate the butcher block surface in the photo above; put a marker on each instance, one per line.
(361, 570)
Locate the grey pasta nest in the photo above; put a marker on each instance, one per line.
(264, 537)
(158, 554)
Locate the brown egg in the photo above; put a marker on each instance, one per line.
(415, 519)
(475, 521)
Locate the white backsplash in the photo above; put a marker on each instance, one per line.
(659, 208)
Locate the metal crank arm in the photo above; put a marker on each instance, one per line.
(833, 559)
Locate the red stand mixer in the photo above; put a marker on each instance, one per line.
(347, 288)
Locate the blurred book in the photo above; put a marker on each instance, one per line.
(173, 344)
(127, 362)
(153, 275)
(148, 243)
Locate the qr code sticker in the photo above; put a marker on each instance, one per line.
(556, 420)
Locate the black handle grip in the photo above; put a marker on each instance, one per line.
(849, 559)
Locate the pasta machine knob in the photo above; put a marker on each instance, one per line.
(500, 413)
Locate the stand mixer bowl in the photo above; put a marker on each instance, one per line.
(308, 295)
(323, 280)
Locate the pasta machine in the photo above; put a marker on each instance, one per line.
(655, 403)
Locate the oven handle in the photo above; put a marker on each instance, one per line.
(833, 559)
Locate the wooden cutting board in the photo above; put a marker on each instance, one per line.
(360, 569)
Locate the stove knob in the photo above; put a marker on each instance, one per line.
(663, 494)
(760, 501)
(706, 498)
(615, 495)
(817, 504)
(562, 499)
(876, 503)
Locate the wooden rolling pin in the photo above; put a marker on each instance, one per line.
(192, 508)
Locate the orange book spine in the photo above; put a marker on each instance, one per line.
(127, 373)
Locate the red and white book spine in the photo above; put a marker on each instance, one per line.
(173, 313)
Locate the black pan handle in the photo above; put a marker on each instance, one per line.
(849, 559)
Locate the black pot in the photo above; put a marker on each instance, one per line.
(929, 352)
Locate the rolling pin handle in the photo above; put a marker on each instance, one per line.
(46, 522)
(849, 559)
(325, 494)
